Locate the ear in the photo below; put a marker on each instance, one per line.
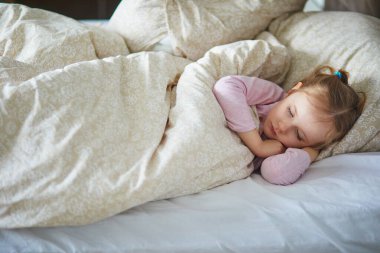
(295, 87)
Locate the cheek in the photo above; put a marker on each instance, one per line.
(267, 126)
(272, 118)
(291, 143)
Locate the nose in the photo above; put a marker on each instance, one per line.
(283, 127)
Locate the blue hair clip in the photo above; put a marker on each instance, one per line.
(338, 74)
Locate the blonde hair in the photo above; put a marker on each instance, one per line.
(336, 99)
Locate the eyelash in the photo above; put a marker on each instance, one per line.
(290, 112)
(297, 133)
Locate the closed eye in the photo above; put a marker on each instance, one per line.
(297, 132)
(298, 135)
(290, 112)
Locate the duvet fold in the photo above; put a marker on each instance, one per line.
(95, 137)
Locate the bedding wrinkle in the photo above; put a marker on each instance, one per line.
(8, 16)
(184, 22)
(103, 131)
(8, 90)
(350, 55)
(42, 190)
(324, 230)
(6, 46)
(102, 136)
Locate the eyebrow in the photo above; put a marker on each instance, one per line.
(303, 132)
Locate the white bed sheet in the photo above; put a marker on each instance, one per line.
(334, 207)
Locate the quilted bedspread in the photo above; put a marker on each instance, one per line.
(88, 130)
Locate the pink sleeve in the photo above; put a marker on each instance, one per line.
(236, 94)
(285, 168)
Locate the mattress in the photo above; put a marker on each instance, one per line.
(334, 207)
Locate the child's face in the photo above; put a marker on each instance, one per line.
(295, 122)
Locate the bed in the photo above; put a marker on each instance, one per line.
(244, 216)
(129, 184)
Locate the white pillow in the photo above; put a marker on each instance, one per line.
(141, 23)
(195, 26)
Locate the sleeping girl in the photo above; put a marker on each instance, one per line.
(294, 126)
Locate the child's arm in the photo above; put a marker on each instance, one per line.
(253, 141)
(236, 95)
(286, 168)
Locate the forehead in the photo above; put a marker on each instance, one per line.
(311, 120)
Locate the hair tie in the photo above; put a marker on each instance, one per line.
(338, 74)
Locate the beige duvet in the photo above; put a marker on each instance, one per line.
(88, 130)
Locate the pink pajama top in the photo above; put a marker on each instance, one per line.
(236, 95)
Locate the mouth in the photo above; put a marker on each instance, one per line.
(272, 129)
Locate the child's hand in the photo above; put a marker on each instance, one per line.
(259, 147)
(271, 147)
(313, 153)
(286, 168)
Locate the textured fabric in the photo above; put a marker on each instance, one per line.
(26, 36)
(94, 138)
(325, 38)
(195, 26)
(236, 95)
(141, 23)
